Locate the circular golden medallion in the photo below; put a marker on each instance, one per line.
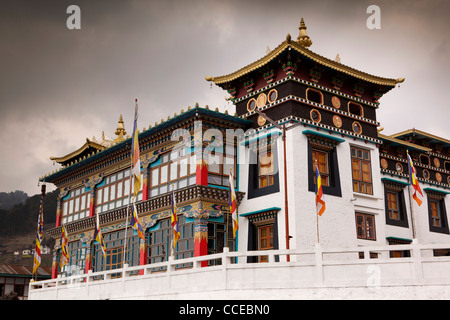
(261, 101)
(437, 163)
(384, 163)
(337, 121)
(438, 177)
(399, 167)
(261, 120)
(336, 102)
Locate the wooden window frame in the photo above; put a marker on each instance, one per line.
(269, 239)
(393, 195)
(269, 177)
(364, 230)
(435, 213)
(359, 184)
(325, 175)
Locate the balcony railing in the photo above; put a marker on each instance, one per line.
(233, 272)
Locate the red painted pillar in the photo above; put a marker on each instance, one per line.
(142, 254)
(58, 212)
(145, 185)
(201, 239)
(92, 202)
(201, 175)
(55, 265)
(88, 262)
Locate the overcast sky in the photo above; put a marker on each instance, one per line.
(59, 86)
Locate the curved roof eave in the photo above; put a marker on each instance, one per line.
(309, 54)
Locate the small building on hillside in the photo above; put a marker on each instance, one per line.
(14, 280)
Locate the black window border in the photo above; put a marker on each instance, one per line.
(399, 189)
(252, 244)
(334, 189)
(440, 198)
(253, 186)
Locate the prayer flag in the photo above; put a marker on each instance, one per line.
(136, 163)
(232, 203)
(320, 204)
(413, 180)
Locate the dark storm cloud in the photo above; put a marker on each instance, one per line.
(60, 86)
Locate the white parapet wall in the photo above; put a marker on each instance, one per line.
(321, 273)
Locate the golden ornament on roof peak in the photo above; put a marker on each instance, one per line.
(120, 131)
(303, 39)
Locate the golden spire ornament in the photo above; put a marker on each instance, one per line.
(120, 131)
(303, 39)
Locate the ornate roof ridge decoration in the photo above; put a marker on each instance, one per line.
(420, 133)
(403, 142)
(79, 151)
(301, 47)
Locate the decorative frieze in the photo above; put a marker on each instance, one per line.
(193, 202)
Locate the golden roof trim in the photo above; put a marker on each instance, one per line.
(403, 142)
(288, 43)
(414, 130)
(79, 151)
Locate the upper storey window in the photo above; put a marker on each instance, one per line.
(356, 109)
(114, 191)
(75, 205)
(424, 159)
(220, 164)
(361, 170)
(173, 169)
(314, 96)
(265, 169)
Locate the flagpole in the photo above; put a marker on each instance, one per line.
(228, 214)
(317, 213)
(173, 231)
(411, 172)
(128, 210)
(129, 194)
(412, 213)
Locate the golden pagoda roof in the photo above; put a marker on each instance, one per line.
(303, 41)
(421, 134)
(77, 153)
(403, 142)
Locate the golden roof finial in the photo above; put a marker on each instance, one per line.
(303, 39)
(120, 131)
